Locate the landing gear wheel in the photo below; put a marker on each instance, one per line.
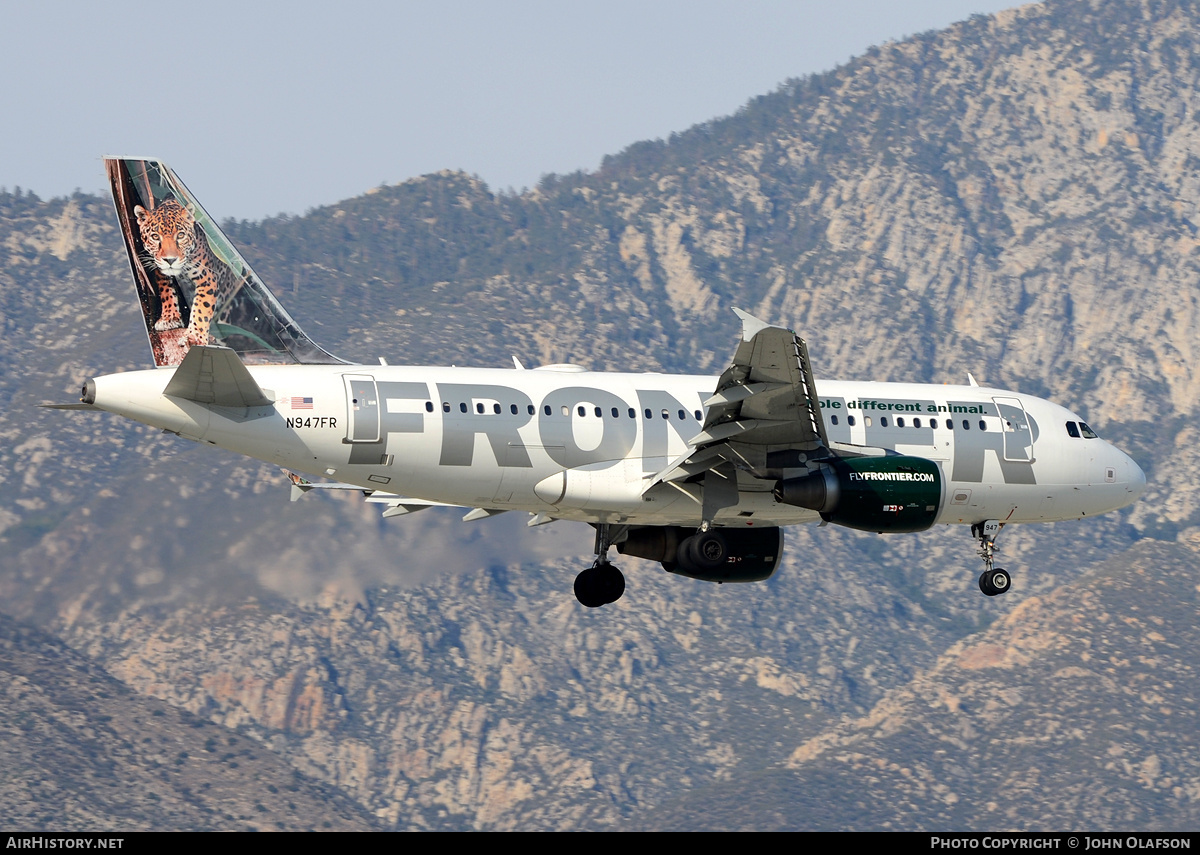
(612, 581)
(994, 582)
(599, 585)
(587, 589)
(1001, 581)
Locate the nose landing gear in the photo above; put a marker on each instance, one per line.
(602, 583)
(993, 580)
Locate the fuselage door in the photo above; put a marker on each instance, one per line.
(362, 408)
(1018, 436)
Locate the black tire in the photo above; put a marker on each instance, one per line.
(985, 584)
(589, 589)
(1001, 581)
(612, 582)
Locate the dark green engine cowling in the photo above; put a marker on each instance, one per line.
(897, 493)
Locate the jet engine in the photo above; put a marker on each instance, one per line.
(716, 555)
(896, 493)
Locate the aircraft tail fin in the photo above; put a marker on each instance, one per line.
(194, 287)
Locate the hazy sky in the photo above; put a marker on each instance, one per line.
(270, 107)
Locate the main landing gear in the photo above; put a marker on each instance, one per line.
(993, 580)
(602, 583)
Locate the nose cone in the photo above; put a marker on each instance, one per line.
(1137, 480)
(1133, 480)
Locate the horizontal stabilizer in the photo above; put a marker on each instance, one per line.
(215, 376)
(395, 505)
(301, 485)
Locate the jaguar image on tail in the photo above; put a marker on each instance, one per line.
(175, 248)
(195, 288)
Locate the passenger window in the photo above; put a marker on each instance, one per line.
(445, 406)
(682, 415)
(665, 414)
(1087, 432)
(616, 413)
(966, 425)
(982, 424)
(532, 410)
(883, 421)
(548, 410)
(462, 407)
(632, 413)
(566, 411)
(916, 423)
(949, 424)
(1073, 430)
(833, 419)
(900, 421)
(699, 417)
(599, 413)
(429, 406)
(496, 409)
(649, 414)
(850, 420)
(932, 424)
(581, 410)
(866, 421)
(513, 409)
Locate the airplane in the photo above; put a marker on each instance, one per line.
(698, 473)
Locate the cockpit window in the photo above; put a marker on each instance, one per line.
(1087, 432)
(1073, 429)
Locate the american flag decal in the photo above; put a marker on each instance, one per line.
(302, 403)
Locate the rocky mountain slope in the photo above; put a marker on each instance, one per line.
(1077, 704)
(80, 750)
(1014, 196)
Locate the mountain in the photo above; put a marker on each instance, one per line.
(1013, 196)
(82, 750)
(1077, 704)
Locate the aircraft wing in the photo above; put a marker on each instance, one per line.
(765, 403)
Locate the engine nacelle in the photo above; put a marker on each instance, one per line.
(717, 555)
(897, 493)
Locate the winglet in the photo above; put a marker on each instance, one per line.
(750, 324)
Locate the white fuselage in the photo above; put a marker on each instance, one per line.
(582, 445)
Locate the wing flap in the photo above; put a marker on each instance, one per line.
(765, 401)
